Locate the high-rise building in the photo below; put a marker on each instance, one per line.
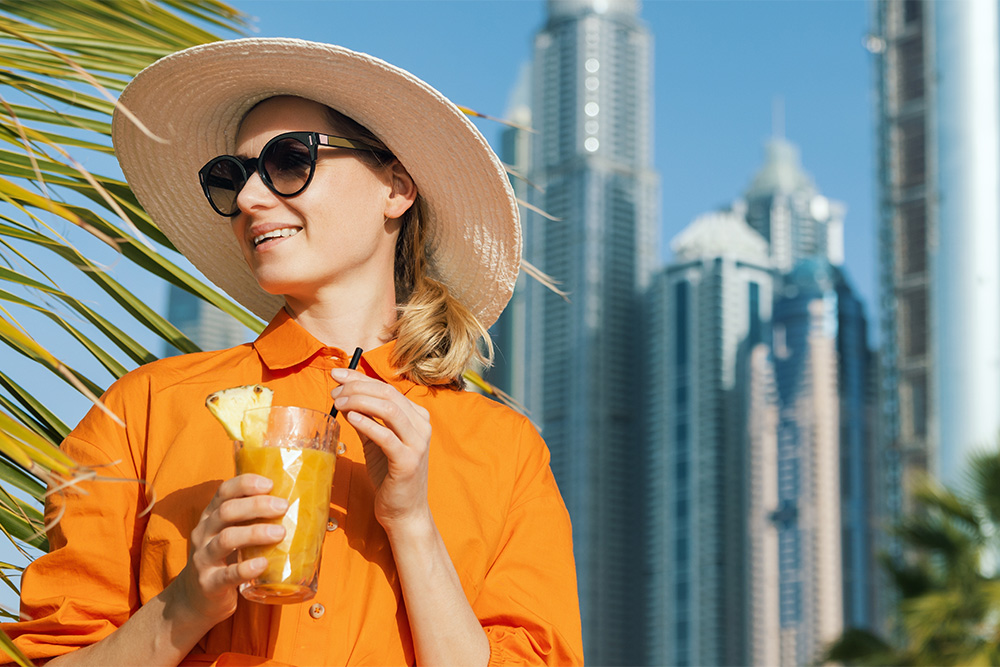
(512, 359)
(785, 207)
(821, 371)
(591, 160)
(711, 311)
(806, 229)
(759, 433)
(938, 85)
(206, 325)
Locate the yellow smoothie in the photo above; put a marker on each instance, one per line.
(304, 478)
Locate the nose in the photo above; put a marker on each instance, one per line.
(255, 194)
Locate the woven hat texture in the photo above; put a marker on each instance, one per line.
(194, 100)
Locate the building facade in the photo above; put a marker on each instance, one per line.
(591, 159)
(806, 229)
(207, 326)
(808, 517)
(938, 82)
(759, 431)
(712, 309)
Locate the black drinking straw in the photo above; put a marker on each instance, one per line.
(353, 365)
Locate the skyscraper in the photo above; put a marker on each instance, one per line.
(206, 325)
(785, 207)
(808, 518)
(592, 158)
(711, 311)
(759, 439)
(806, 230)
(938, 83)
(512, 360)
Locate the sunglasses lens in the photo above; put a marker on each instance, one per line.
(288, 165)
(223, 183)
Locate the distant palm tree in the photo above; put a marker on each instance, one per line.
(949, 588)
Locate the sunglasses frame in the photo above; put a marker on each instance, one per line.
(312, 141)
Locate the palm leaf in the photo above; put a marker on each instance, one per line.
(60, 64)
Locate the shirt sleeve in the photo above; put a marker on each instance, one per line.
(529, 604)
(86, 586)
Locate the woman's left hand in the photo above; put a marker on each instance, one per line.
(396, 434)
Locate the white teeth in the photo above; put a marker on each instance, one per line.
(275, 234)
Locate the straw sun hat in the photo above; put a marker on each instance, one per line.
(195, 99)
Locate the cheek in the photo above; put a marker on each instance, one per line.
(238, 227)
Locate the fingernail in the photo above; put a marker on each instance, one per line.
(279, 504)
(263, 484)
(258, 563)
(339, 373)
(354, 417)
(340, 402)
(336, 392)
(275, 531)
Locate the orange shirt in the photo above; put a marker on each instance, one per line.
(491, 491)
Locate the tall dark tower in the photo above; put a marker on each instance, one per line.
(592, 160)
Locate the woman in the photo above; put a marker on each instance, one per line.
(387, 224)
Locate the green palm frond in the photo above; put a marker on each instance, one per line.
(949, 591)
(61, 67)
(983, 477)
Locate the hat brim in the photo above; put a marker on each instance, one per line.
(195, 99)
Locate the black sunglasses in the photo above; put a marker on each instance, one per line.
(286, 165)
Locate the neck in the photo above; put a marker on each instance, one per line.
(346, 319)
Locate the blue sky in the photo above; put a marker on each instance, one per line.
(719, 66)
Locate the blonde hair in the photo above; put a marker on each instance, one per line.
(437, 337)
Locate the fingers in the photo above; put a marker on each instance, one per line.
(236, 518)
(241, 499)
(365, 400)
(241, 514)
(237, 487)
(230, 539)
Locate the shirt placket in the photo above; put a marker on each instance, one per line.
(315, 633)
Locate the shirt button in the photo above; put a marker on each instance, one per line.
(317, 610)
(331, 525)
(341, 448)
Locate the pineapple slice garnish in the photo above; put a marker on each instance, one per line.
(253, 427)
(229, 405)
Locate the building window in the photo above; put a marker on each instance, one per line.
(913, 399)
(912, 157)
(912, 238)
(910, 73)
(913, 323)
(681, 323)
(754, 335)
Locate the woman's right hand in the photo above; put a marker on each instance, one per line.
(168, 626)
(207, 586)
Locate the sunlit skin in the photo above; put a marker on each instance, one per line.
(336, 274)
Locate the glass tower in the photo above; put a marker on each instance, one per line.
(592, 162)
(711, 309)
(821, 367)
(207, 326)
(938, 82)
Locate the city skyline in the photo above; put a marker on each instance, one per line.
(758, 432)
(720, 168)
(713, 106)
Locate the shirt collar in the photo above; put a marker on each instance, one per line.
(285, 343)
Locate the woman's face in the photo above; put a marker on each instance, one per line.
(339, 234)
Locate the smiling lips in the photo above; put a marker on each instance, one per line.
(284, 232)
